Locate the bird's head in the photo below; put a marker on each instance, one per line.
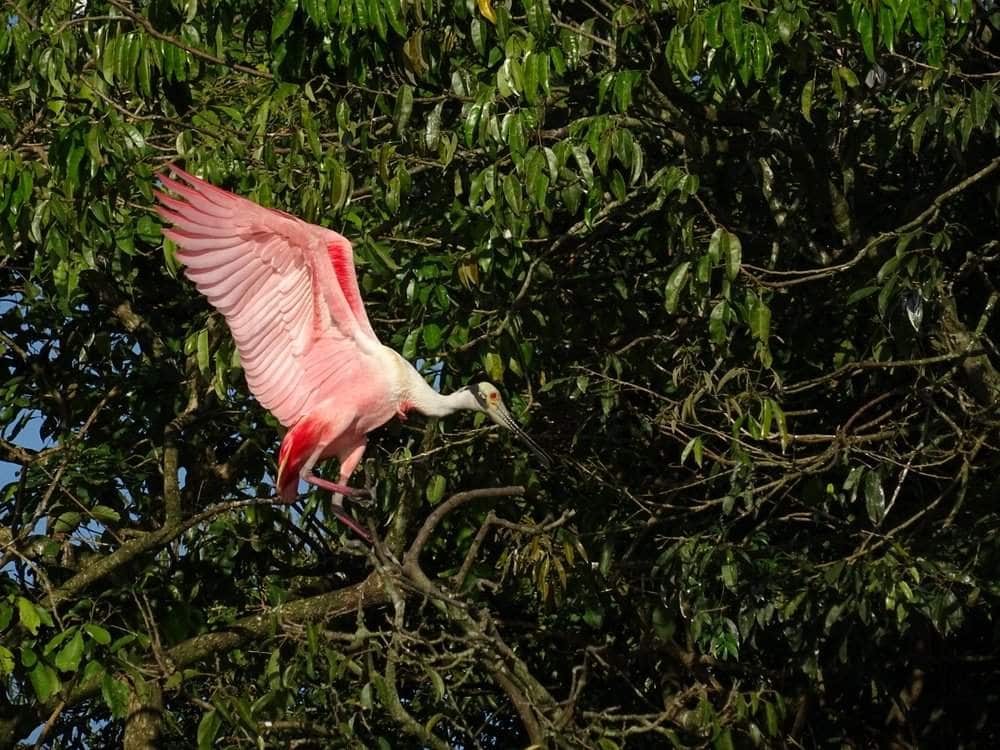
(488, 400)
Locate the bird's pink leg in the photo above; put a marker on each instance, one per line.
(348, 462)
(347, 465)
(340, 489)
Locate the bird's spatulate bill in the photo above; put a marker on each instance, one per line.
(535, 447)
(503, 418)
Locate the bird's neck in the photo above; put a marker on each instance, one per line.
(424, 399)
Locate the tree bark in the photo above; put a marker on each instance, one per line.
(145, 717)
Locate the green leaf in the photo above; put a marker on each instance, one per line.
(28, 615)
(886, 25)
(202, 351)
(859, 294)
(530, 78)
(436, 681)
(68, 658)
(432, 132)
(366, 697)
(478, 33)
(67, 522)
(133, 136)
(494, 366)
(283, 19)
(57, 640)
(311, 130)
(760, 319)
(723, 740)
(852, 478)
(208, 727)
(539, 16)
(770, 719)
(512, 192)
(115, 694)
(45, 681)
(603, 151)
(715, 245)
(832, 616)
(807, 99)
(108, 60)
(432, 336)
(766, 416)
(99, 634)
(717, 321)
(675, 283)
(732, 251)
(316, 11)
(505, 83)
(874, 497)
(761, 51)
(537, 179)
(637, 163)
(713, 26)
(618, 186)
(865, 28)
(732, 28)
(376, 18)
(106, 514)
(917, 130)
(694, 445)
(582, 161)
(541, 63)
(472, 118)
(729, 577)
(918, 14)
(403, 108)
(6, 661)
(341, 188)
(787, 24)
(779, 416)
(982, 103)
(847, 75)
(409, 350)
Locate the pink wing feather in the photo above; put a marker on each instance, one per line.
(287, 288)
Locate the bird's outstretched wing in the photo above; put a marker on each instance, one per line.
(287, 289)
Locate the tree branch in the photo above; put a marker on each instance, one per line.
(133, 547)
(455, 501)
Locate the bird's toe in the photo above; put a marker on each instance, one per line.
(363, 497)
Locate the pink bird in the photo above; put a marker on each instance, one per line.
(290, 295)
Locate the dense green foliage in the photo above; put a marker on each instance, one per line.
(734, 264)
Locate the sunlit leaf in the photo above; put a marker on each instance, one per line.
(675, 284)
(874, 497)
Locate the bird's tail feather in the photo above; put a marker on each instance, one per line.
(297, 448)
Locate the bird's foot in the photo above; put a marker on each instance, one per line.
(345, 518)
(359, 495)
(363, 497)
(337, 489)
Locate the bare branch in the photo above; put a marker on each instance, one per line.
(455, 501)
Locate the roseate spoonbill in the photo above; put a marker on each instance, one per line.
(290, 295)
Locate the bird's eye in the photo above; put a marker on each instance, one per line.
(494, 396)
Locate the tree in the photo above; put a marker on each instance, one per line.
(735, 264)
